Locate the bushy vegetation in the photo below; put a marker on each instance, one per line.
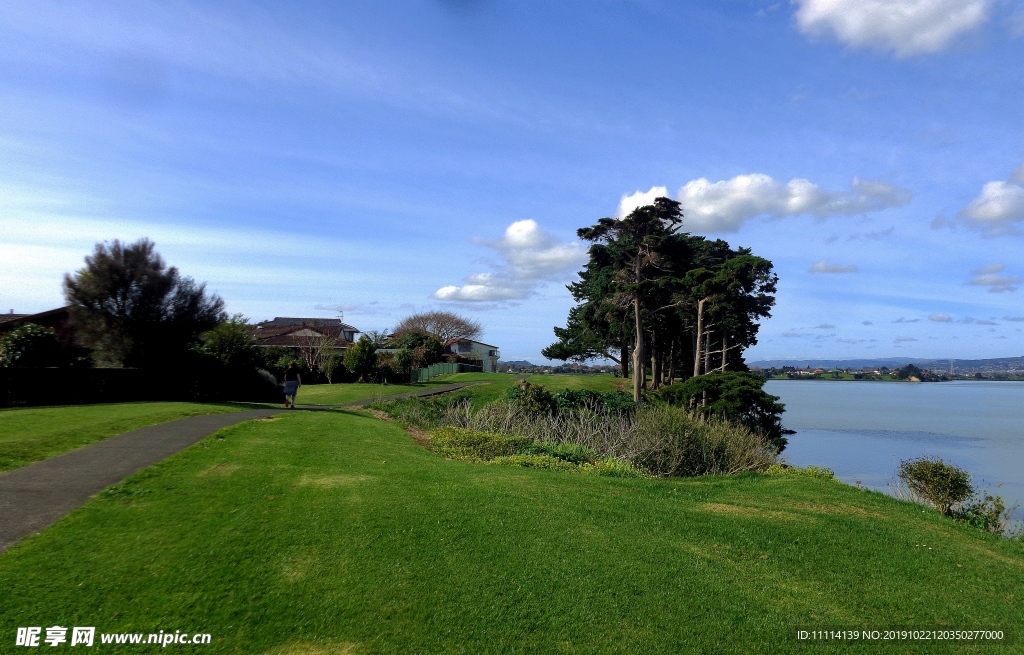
(30, 345)
(948, 488)
(508, 450)
(734, 396)
(659, 439)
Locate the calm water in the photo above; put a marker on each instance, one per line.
(861, 430)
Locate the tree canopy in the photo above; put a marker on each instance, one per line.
(444, 325)
(134, 310)
(675, 304)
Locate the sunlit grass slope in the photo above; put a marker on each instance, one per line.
(339, 394)
(29, 434)
(331, 532)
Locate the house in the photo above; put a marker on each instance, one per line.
(291, 332)
(58, 320)
(486, 354)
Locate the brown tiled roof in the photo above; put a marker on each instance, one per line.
(296, 336)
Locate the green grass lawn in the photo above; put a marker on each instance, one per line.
(29, 434)
(331, 532)
(339, 394)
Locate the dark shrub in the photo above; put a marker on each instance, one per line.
(31, 346)
(616, 402)
(735, 396)
(940, 484)
(532, 398)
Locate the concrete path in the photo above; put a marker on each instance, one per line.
(36, 496)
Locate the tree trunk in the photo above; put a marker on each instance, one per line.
(672, 362)
(725, 349)
(639, 374)
(700, 337)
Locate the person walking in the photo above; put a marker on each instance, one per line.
(292, 382)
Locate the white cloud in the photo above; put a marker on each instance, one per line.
(999, 205)
(904, 339)
(726, 205)
(531, 257)
(989, 276)
(940, 318)
(638, 199)
(905, 27)
(825, 266)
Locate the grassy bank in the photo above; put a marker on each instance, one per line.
(331, 532)
(339, 394)
(30, 434)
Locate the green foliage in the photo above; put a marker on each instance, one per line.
(606, 402)
(30, 346)
(231, 343)
(985, 512)
(532, 398)
(361, 358)
(735, 396)
(816, 472)
(424, 412)
(404, 359)
(508, 450)
(909, 371)
(940, 484)
(133, 310)
(460, 443)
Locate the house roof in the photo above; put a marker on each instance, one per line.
(453, 341)
(291, 321)
(298, 335)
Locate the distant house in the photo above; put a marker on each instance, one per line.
(486, 354)
(58, 320)
(291, 332)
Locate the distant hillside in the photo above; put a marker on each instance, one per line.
(1000, 364)
(521, 362)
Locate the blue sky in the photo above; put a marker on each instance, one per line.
(384, 158)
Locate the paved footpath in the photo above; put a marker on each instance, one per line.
(34, 497)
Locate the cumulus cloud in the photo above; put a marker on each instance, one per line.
(638, 199)
(903, 319)
(998, 207)
(726, 205)
(530, 257)
(824, 326)
(904, 339)
(825, 266)
(989, 276)
(904, 27)
(940, 318)
(1014, 319)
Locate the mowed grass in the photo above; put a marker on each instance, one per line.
(332, 532)
(339, 394)
(30, 434)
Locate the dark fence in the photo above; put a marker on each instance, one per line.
(423, 374)
(70, 386)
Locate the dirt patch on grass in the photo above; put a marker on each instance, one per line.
(309, 648)
(834, 509)
(376, 413)
(331, 481)
(746, 510)
(220, 470)
(419, 435)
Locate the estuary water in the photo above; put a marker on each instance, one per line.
(861, 430)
